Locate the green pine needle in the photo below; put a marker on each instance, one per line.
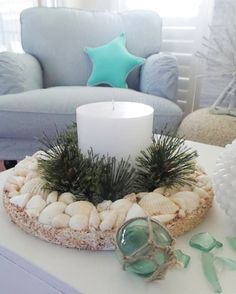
(167, 162)
(90, 177)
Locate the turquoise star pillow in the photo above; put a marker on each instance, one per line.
(112, 63)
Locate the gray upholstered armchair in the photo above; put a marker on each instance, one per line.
(41, 88)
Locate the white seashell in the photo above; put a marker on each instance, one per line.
(164, 218)
(185, 188)
(20, 171)
(132, 197)
(34, 212)
(67, 198)
(202, 181)
(135, 211)
(79, 207)
(61, 221)
(31, 175)
(37, 203)
(109, 221)
(40, 155)
(11, 187)
(201, 192)
(155, 203)
(79, 222)
(16, 180)
(13, 193)
(160, 190)
(52, 197)
(35, 187)
(140, 195)
(50, 211)
(187, 200)
(104, 205)
(104, 214)
(181, 213)
(121, 216)
(20, 200)
(123, 204)
(170, 191)
(94, 219)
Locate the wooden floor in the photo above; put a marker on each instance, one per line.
(1, 166)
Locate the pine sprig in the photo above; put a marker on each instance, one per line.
(167, 162)
(90, 177)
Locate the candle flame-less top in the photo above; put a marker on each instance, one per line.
(115, 110)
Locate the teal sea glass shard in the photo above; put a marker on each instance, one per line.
(232, 242)
(204, 242)
(142, 267)
(210, 271)
(182, 258)
(228, 263)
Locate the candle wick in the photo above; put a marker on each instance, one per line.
(113, 105)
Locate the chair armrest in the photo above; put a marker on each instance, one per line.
(159, 76)
(19, 73)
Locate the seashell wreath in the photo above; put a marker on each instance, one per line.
(30, 188)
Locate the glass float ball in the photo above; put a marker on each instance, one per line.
(144, 247)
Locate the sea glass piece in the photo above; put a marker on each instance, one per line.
(228, 263)
(232, 242)
(210, 271)
(204, 242)
(182, 258)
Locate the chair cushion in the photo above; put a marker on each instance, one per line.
(112, 63)
(27, 115)
(57, 38)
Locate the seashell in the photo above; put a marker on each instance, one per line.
(170, 191)
(94, 219)
(61, 221)
(132, 197)
(160, 190)
(185, 188)
(50, 211)
(52, 197)
(103, 214)
(35, 187)
(121, 216)
(140, 195)
(37, 203)
(16, 180)
(201, 193)
(123, 204)
(20, 200)
(200, 168)
(202, 181)
(10, 187)
(187, 200)
(109, 221)
(20, 171)
(181, 213)
(79, 222)
(31, 175)
(135, 211)
(13, 193)
(34, 212)
(104, 205)
(79, 207)
(155, 203)
(67, 198)
(164, 218)
(29, 163)
(40, 155)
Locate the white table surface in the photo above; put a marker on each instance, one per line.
(74, 271)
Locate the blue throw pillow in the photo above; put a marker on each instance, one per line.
(112, 63)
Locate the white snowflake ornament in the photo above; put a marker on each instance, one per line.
(224, 180)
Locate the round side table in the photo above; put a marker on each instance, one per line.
(205, 127)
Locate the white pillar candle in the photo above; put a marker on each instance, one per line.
(119, 129)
